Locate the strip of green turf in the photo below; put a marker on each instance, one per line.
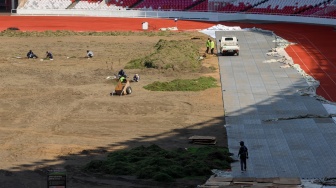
(158, 164)
(199, 84)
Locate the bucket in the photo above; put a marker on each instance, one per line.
(145, 25)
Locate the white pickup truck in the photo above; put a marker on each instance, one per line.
(229, 45)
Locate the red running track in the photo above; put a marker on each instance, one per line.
(315, 49)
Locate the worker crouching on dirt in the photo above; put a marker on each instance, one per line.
(89, 54)
(31, 54)
(122, 76)
(136, 78)
(122, 73)
(49, 55)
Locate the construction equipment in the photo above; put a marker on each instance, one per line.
(122, 88)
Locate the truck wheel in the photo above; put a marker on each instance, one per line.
(237, 54)
(128, 90)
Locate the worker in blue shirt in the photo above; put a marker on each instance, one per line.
(49, 55)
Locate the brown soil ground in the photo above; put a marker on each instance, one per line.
(59, 114)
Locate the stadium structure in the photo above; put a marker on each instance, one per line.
(321, 12)
(308, 11)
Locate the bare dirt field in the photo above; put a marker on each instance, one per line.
(59, 113)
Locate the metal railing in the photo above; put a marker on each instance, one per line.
(182, 15)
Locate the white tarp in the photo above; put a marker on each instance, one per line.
(212, 30)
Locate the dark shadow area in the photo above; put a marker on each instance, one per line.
(35, 174)
(281, 130)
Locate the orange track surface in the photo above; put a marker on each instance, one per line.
(315, 48)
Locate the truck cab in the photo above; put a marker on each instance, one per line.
(229, 45)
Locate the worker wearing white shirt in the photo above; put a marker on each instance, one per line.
(89, 54)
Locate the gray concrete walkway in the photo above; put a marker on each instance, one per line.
(253, 92)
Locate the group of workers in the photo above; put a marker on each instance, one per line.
(122, 76)
(49, 55)
(31, 54)
(210, 45)
(89, 54)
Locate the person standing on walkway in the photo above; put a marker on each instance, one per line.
(208, 45)
(243, 155)
(212, 46)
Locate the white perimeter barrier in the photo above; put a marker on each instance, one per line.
(182, 15)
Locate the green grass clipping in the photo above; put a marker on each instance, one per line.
(199, 84)
(178, 55)
(161, 165)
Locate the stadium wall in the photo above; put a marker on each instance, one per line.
(204, 16)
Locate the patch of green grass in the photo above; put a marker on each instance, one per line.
(199, 84)
(162, 165)
(179, 55)
(134, 64)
